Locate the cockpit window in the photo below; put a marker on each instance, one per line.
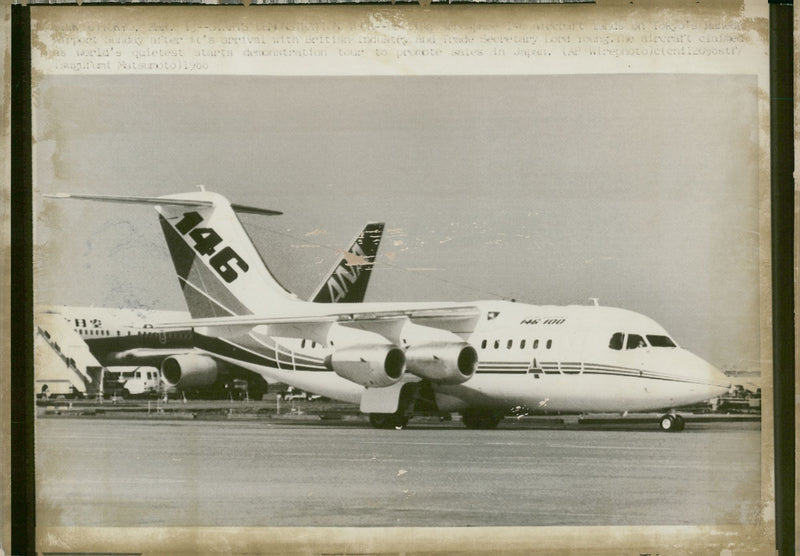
(616, 341)
(635, 341)
(660, 341)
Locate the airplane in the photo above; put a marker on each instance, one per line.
(485, 359)
(133, 337)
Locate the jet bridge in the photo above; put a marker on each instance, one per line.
(63, 364)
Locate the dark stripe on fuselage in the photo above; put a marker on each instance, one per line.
(284, 356)
(505, 363)
(552, 368)
(227, 348)
(500, 372)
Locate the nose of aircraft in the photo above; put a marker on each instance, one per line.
(715, 380)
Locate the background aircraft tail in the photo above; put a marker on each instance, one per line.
(348, 279)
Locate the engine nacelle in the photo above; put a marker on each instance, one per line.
(374, 366)
(443, 362)
(189, 371)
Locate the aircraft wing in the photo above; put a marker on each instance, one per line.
(457, 319)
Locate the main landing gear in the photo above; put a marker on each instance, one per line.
(480, 419)
(388, 420)
(672, 423)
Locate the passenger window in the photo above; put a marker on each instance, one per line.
(549, 344)
(496, 344)
(617, 341)
(302, 344)
(635, 341)
(483, 344)
(522, 344)
(536, 344)
(509, 344)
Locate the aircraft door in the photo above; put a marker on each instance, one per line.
(630, 350)
(635, 349)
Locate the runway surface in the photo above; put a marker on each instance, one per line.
(103, 473)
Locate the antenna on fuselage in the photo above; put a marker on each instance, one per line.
(595, 301)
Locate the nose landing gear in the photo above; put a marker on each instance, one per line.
(672, 423)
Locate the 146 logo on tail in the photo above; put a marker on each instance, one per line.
(206, 241)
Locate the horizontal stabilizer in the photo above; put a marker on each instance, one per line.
(245, 209)
(134, 200)
(160, 201)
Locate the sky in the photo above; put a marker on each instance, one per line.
(639, 190)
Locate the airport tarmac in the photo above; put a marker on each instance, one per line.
(118, 472)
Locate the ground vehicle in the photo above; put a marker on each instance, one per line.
(293, 393)
(132, 381)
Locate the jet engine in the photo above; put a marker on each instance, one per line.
(189, 371)
(443, 362)
(374, 366)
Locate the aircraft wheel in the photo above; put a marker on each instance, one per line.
(387, 420)
(672, 423)
(400, 422)
(124, 394)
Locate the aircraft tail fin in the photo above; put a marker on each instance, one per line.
(219, 269)
(348, 279)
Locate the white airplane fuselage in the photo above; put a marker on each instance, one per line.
(543, 358)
